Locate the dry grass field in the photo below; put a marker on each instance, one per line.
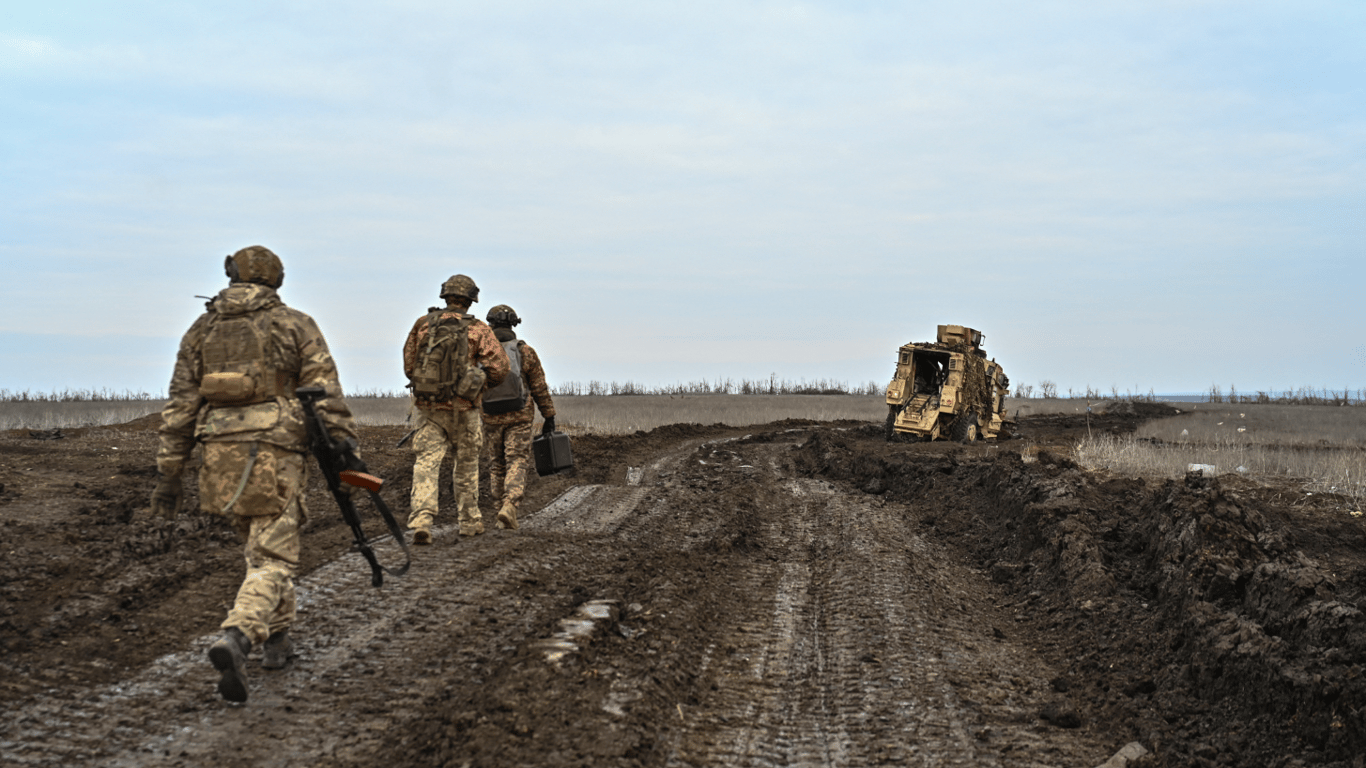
(1323, 447)
(585, 414)
(47, 415)
(577, 414)
(627, 414)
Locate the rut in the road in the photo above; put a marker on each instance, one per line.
(859, 647)
(367, 658)
(764, 619)
(363, 657)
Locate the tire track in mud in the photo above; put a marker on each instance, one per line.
(859, 648)
(848, 640)
(362, 654)
(354, 643)
(600, 508)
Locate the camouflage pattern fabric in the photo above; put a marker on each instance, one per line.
(439, 432)
(507, 436)
(460, 285)
(296, 349)
(254, 466)
(485, 351)
(507, 453)
(247, 479)
(266, 601)
(255, 264)
(534, 377)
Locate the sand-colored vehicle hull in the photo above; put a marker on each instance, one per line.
(948, 389)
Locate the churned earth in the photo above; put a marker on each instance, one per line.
(798, 594)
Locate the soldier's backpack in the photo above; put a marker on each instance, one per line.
(442, 371)
(235, 370)
(510, 394)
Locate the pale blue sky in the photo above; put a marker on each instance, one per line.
(1144, 194)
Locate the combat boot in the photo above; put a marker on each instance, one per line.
(275, 652)
(507, 518)
(229, 656)
(421, 525)
(473, 529)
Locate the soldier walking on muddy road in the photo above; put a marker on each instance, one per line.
(233, 390)
(509, 410)
(450, 359)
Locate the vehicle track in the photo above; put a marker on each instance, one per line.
(850, 641)
(858, 650)
(363, 654)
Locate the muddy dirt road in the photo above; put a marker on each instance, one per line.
(796, 594)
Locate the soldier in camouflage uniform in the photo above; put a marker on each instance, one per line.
(451, 424)
(507, 436)
(233, 390)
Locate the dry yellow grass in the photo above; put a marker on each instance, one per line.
(625, 414)
(1321, 447)
(600, 414)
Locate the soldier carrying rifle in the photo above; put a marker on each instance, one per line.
(233, 390)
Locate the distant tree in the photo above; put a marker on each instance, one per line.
(1048, 388)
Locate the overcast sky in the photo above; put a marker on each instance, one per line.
(1146, 195)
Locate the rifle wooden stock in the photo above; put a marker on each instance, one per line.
(361, 480)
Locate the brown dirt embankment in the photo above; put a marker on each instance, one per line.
(1216, 620)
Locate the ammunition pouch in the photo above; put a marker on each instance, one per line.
(426, 388)
(471, 384)
(225, 421)
(244, 387)
(230, 388)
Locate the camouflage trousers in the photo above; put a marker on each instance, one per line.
(440, 432)
(507, 453)
(267, 509)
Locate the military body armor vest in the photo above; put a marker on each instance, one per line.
(510, 394)
(235, 366)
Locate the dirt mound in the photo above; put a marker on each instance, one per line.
(1192, 614)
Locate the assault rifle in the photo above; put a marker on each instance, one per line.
(341, 465)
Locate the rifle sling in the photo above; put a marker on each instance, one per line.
(378, 570)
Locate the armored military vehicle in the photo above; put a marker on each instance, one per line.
(948, 389)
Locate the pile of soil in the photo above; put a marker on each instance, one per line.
(1218, 621)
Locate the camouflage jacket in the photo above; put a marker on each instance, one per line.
(297, 354)
(533, 375)
(485, 352)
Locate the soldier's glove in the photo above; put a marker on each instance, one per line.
(167, 496)
(549, 425)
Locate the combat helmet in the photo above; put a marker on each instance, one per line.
(503, 316)
(461, 287)
(255, 264)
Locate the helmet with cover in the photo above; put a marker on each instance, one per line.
(255, 264)
(503, 316)
(460, 287)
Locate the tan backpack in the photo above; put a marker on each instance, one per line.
(442, 371)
